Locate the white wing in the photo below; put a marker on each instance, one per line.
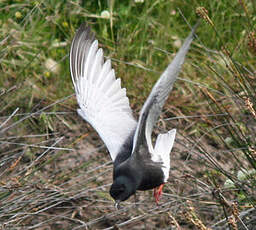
(103, 103)
(155, 101)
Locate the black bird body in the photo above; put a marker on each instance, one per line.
(103, 103)
(149, 176)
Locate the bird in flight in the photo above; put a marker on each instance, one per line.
(138, 165)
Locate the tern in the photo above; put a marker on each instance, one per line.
(138, 165)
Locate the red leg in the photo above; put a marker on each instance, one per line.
(158, 192)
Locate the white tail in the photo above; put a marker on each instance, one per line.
(163, 147)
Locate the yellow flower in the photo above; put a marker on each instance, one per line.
(18, 15)
(65, 24)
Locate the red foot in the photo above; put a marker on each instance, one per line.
(158, 192)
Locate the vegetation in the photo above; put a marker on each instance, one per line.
(55, 172)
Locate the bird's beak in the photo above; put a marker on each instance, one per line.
(117, 204)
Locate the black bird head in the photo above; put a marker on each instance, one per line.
(122, 188)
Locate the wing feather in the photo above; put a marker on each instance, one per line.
(102, 101)
(152, 107)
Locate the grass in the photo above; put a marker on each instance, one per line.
(54, 170)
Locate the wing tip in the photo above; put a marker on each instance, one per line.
(192, 34)
(85, 30)
(82, 40)
(84, 27)
(196, 26)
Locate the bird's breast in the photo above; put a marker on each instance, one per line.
(153, 176)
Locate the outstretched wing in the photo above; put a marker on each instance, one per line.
(102, 101)
(154, 103)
